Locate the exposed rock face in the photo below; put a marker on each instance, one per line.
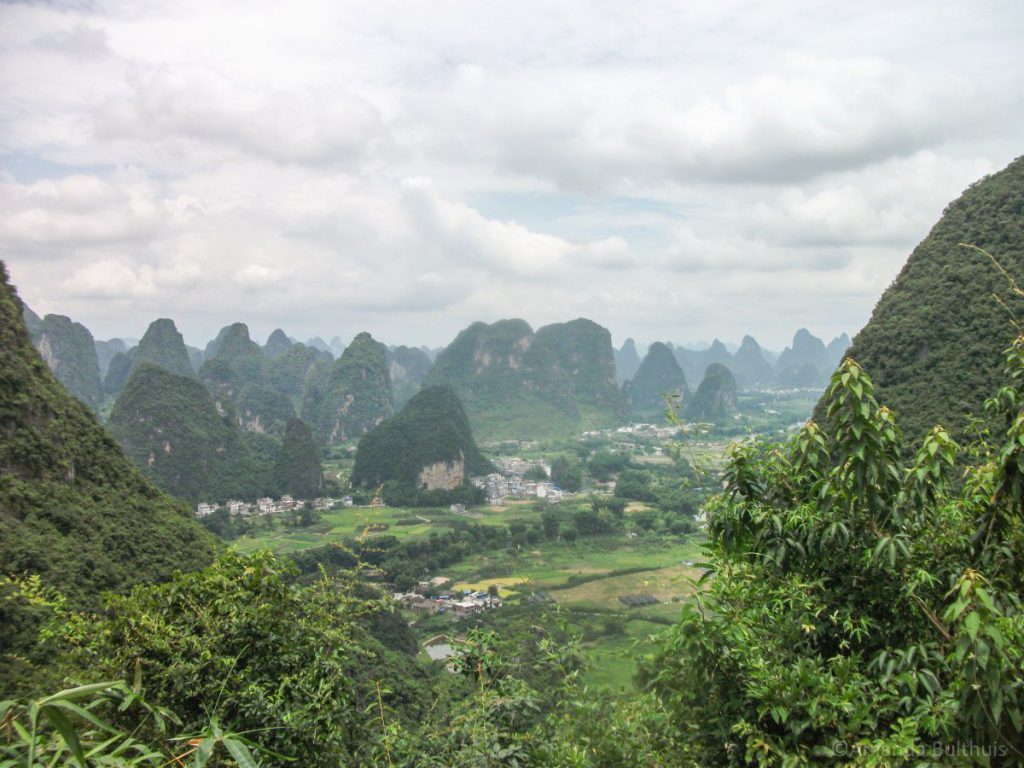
(715, 398)
(659, 375)
(934, 344)
(70, 351)
(442, 475)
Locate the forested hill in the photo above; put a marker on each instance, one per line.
(517, 384)
(170, 426)
(430, 433)
(659, 374)
(934, 343)
(72, 507)
(70, 351)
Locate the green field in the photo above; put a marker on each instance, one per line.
(348, 522)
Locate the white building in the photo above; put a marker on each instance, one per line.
(203, 509)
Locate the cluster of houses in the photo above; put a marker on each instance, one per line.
(509, 483)
(637, 430)
(468, 603)
(500, 488)
(269, 506)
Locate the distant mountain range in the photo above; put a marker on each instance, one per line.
(512, 382)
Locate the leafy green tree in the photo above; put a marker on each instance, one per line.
(566, 474)
(243, 642)
(298, 471)
(861, 606)
(603, 465)
(635, 484)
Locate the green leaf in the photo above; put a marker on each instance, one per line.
(67, 732)
(77, 693)
(971, 624)
(241, 753)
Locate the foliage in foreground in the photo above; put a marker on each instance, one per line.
(863, 610)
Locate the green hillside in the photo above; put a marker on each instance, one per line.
(265, 410)
(73, 508)
(297, 470)
(430, 431)
(358, 395)
(407, 366)
(627, 361)
(750, 366)
(162, 345)
(70, 351)
(515, 384)
(583, 350)
(934, 342)
(277, 344)
(715, 398)
(659, 374)
(171, 428)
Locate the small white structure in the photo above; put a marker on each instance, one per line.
(236, 507)
(203, 509)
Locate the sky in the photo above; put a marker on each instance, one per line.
(672, 170)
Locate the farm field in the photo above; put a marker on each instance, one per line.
(552, 565)
(338, 525)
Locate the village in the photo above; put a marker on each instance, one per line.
(430, 597)
(518, 479)
(269, 506)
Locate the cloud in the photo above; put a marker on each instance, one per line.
(109, 279)
(83, 210)
(465, 236)
(316, 126)
(80, 42)
(672, 170)
(259, 277)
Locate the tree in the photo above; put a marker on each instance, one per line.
(242, 641)
(566, 474)
(862, 605)
(298, 471)
(604, 464)
(634, 484)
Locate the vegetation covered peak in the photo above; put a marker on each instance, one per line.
(163, 345)
(935, 340)
(659, 376)
(430, 431)
(73, 508)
